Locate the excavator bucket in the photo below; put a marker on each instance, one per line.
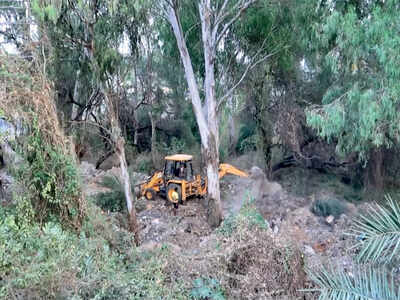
(229, 169)
(151, 186)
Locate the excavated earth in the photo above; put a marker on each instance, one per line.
(290, 220)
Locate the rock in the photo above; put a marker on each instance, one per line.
(256, 173)
(87, 171)
(149, 246)
(309, 250)
(329, 219)
(140, 205)
(110, 162)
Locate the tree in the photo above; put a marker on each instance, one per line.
(96, 29)
(360, 110)
(216, 20)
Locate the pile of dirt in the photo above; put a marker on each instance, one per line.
(249, 264)
(291, 219)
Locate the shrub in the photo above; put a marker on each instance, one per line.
(51, 181)
(207, 288)
(327, 207)
(52, 263)
(175, 146)
(247, 140)
(143, 163)
(48, 172)
(113, 200)
(247, 218)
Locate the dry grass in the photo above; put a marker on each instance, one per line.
(248, 265)
(27, 97)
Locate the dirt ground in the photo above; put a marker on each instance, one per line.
(290, 220)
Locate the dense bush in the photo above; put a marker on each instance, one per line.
(114, 199)
(327, 207)
(247, 138)
(53, 263)
(47, 172)
(51, 180)
(248, 217)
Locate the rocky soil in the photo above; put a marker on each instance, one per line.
(290, 218)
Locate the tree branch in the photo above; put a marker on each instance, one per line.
(241, 7)
(248, 68)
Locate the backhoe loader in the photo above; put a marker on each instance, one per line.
(177, 181)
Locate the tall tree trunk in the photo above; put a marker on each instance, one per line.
(74, 112)
(119, 144)
(374, 177)
(231, 126)
(208, 128)
(153, 140)
(211, 151)
(129, 196)
(135, 117)
(27, 26)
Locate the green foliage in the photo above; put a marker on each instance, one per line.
(175, 146)
(207, 288)
(359, 284)
(114, 200)
(51, 181)
(48, 12)
(328, 206)
(248, 217)
(247, 144)
(51, 263)
(378, 237)
(143, 163)
(360, 109)
(378, 232)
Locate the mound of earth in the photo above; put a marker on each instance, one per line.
(241, 262)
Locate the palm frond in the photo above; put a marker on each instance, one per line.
(366, 283)
(378, 232)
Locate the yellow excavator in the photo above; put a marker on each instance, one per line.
(177, 181)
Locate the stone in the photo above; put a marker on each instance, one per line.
(309, 250)
(329, 219)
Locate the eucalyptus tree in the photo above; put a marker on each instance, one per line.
(95, 29)
(360, 45)
(216, 19)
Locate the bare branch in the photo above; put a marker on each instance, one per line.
(221, 12)
(241, 7)
(246, 71)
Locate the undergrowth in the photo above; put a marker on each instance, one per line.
(246, 263)
(328, 206)
(114, 199)
(248, 216)
(47, 172)
(99, 263)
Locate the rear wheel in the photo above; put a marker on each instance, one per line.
(150, 194)
(174, 193)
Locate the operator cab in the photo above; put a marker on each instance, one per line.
(178, 166)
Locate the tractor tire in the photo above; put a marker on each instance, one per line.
(174, 193)
(150, 194)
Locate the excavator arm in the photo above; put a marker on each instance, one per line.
(229, 169)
